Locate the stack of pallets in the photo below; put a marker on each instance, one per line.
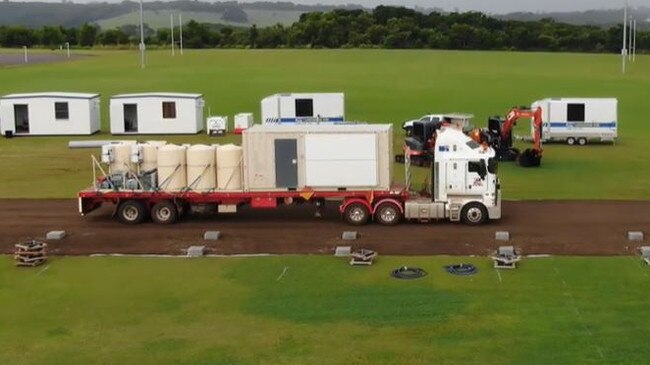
(30, 253)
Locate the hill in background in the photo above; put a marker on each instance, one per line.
(157, 14)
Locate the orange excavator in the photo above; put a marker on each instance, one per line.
(498, 135)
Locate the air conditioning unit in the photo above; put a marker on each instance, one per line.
(217, 125)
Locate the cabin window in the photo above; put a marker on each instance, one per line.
(304, 108)
(61, 111)
(575, 113)
(169, 110)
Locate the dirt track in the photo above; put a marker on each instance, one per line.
(568, 228)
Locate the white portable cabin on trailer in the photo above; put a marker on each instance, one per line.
(156, 113)
(328, 157)
(578, 120)
(49, 113)
(328, 108)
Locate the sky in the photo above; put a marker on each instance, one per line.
(487, 6)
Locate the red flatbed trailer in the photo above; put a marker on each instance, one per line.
(357, 207)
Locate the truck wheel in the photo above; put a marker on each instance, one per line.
(388, 214)
(357, 214)
(582, 141)
(474, 214)
(570, 141)
(164, 212)
(131, 212)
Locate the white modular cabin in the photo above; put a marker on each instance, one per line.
(327, 157)
(578, 120)
(156, 113)
(304, 108)
(49, 114)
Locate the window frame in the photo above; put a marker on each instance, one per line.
(572, 113)
(169, 113)
(57, 111)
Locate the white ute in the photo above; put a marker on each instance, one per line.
(458, 119)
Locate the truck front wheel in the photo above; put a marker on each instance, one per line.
(131, 212)
(356, 214)
(164, 212)
(474, 214)
(388, 214)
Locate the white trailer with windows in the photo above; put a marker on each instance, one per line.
(49, 113)
(307, 108)
(156, 113)
(578, 120)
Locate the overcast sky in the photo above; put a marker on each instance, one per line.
(488, 6)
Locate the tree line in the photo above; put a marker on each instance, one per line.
(383, 27)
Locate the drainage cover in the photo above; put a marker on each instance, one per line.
(461, 269)
(407, 273)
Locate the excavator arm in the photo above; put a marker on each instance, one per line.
(531, 157)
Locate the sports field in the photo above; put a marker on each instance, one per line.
(380, 86)
(319, 310)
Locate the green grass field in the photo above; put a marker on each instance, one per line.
(380, 86)
(322, 311)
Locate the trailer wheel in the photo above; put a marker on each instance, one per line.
(164, 212)
(356, 214)
(582, 141)
(474, 214)
(131, 212)
(388, 214)
(570, 141)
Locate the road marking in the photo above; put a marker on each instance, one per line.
(284, 271)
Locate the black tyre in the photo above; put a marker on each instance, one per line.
(474, 214)
(582, 141)
(356, 214)
(388, 214)
(132, 212)
(164, 212)
(570, 141)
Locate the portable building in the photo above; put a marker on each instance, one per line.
(49, 113)
(326, 108)
(578, 120)
(156, 113)
(328, 157)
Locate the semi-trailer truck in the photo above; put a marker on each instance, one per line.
(285, 165)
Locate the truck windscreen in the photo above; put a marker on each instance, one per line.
(493, 165)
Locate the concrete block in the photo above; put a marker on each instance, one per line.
(55, 235)
(349, 235)
(195, 251)
(635, 236)
(502, 236)
(211, 235)
(343, 251)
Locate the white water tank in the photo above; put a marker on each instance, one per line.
(172, 169)
(229, 171)
(122, 158)
(149, 155)
(201, 169)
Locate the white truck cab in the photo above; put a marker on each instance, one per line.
(465, 186)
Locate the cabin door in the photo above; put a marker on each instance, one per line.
(130, 117)
(21, 118)
(286, 163)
